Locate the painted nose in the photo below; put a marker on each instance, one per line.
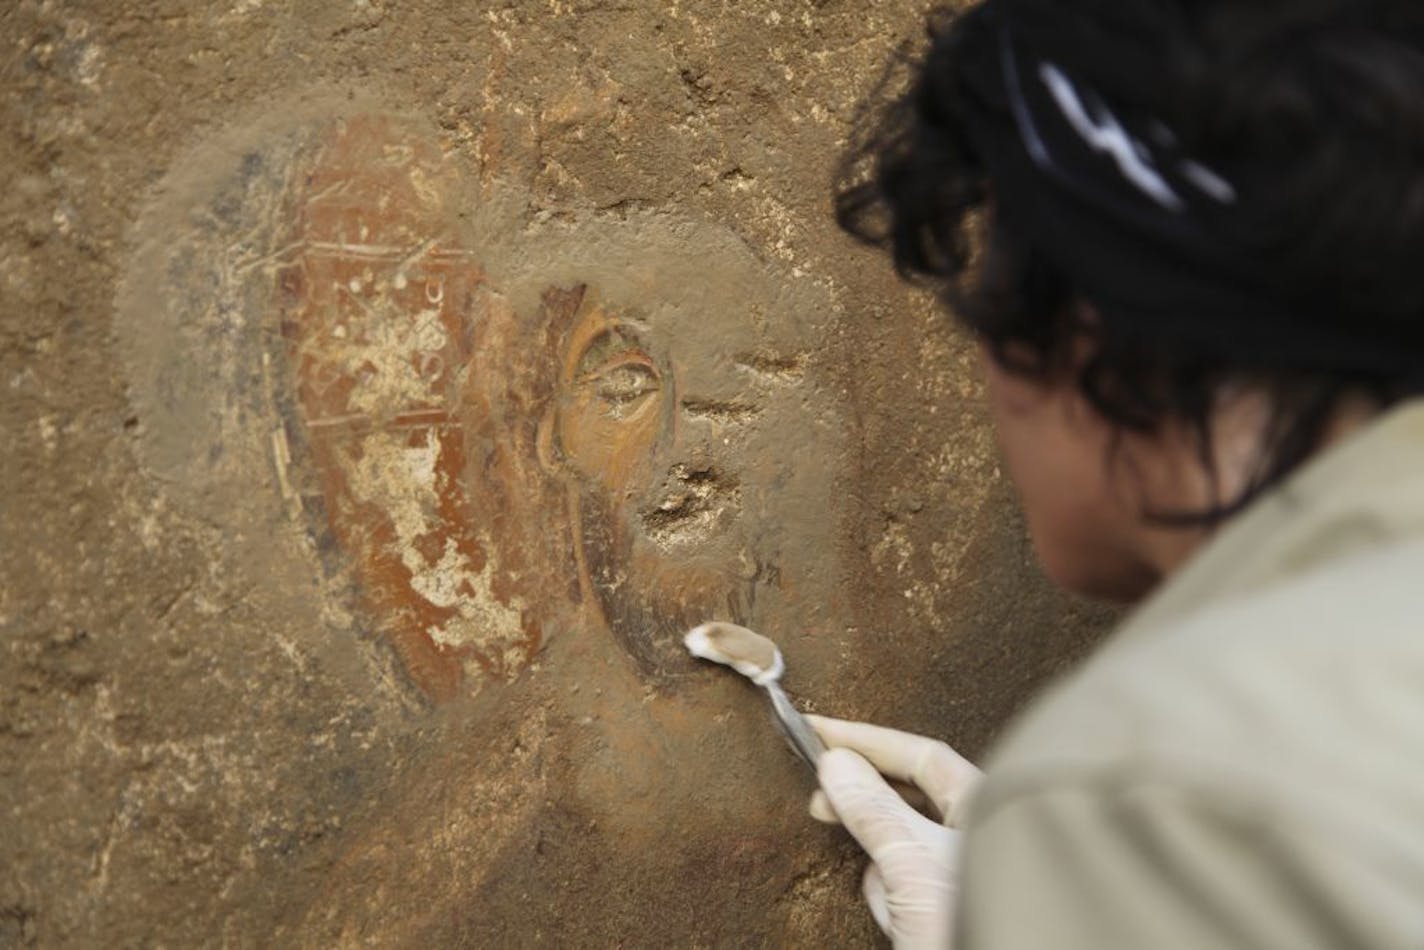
(694, 500)
(703, 425)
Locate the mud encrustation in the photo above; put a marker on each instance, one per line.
(348, 351)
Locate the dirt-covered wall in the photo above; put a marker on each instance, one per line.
(386, 387)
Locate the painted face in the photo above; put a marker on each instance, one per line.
(671, 434)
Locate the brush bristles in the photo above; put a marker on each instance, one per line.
(746, 651)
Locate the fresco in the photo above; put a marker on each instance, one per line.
(516, 464)
(606, 453)
(386, 387)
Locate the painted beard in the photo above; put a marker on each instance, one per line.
(650, 596)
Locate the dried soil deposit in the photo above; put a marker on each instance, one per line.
(387, 388)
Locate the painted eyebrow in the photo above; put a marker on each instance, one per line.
(628, 340)
(628, 357)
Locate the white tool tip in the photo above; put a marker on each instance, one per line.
(746, 651)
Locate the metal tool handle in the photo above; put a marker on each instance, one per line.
(798, 732)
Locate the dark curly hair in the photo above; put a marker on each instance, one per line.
(1317, 109)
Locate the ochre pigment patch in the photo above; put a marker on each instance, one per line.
(378, 311)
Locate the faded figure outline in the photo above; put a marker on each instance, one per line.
(498, 461)
(495, 469)
(590, 440)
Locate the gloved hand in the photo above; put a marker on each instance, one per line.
(910, 884)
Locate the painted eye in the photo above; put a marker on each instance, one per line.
(625, 383)
(616, 373)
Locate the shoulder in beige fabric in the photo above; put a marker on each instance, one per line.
(1242, 765)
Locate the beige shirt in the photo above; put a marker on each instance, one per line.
(1242, 764)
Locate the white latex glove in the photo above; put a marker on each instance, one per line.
(911, 883)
